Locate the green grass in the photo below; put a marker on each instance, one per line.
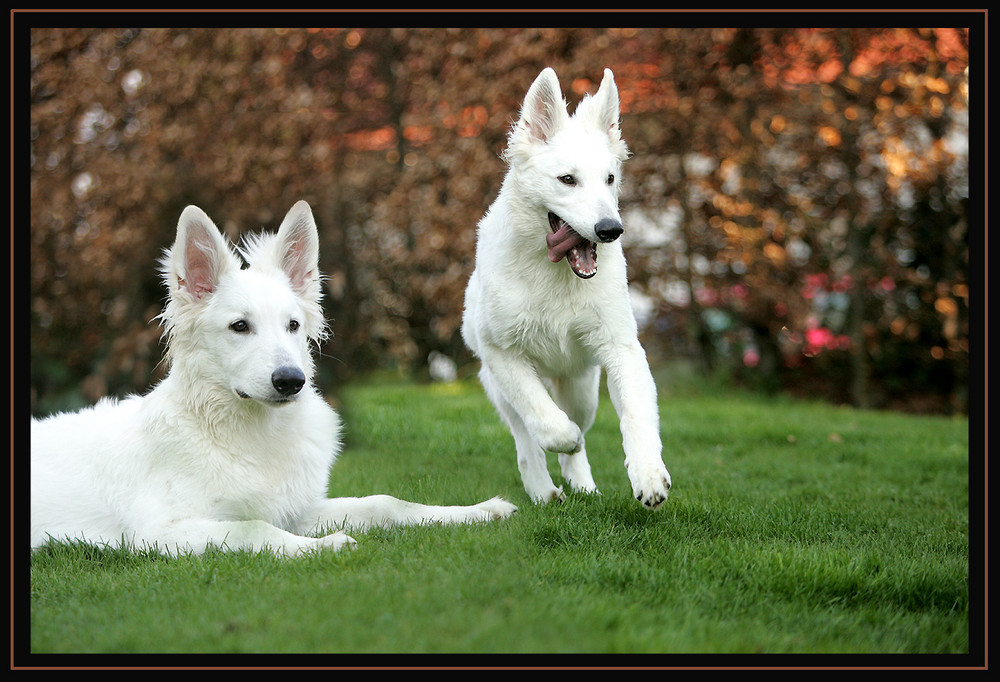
(792, 528)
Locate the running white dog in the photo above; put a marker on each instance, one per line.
(233, 448)
(543, 329)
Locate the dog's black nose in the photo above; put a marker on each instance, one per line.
(608, 230)
(288, 380)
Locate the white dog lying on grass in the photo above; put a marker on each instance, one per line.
(233, 448)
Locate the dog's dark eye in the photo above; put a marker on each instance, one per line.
(567, 180)
(293, 325)
(611, 179)
(240, 326)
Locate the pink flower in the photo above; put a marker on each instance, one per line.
(818, 338)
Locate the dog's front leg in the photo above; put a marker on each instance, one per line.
(519, 384)
(361, 513)
(197, 535)
(530, 457)
(577, 395)
(633, 394)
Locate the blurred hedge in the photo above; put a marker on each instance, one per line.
(796, 205)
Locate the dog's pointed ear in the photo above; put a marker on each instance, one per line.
(298, 249)
(607, 109)
(602, 112)
(199, 256)
(544, 109)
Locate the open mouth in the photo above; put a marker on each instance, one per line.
(564, 242)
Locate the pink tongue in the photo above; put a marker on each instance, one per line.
(565, 243)
(561, 241)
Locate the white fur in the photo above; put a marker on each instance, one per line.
(542, 333)
(227, 450)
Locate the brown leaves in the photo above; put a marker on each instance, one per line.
(394, 134)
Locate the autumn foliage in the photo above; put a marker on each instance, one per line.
(796, 204)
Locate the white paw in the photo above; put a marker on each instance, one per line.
(561, 436)
(576, 471)
(586, 488)
(496, 508)
(552, 494)
(650, 483)
(335, 541)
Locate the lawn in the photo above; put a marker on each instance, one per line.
(792, 528)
